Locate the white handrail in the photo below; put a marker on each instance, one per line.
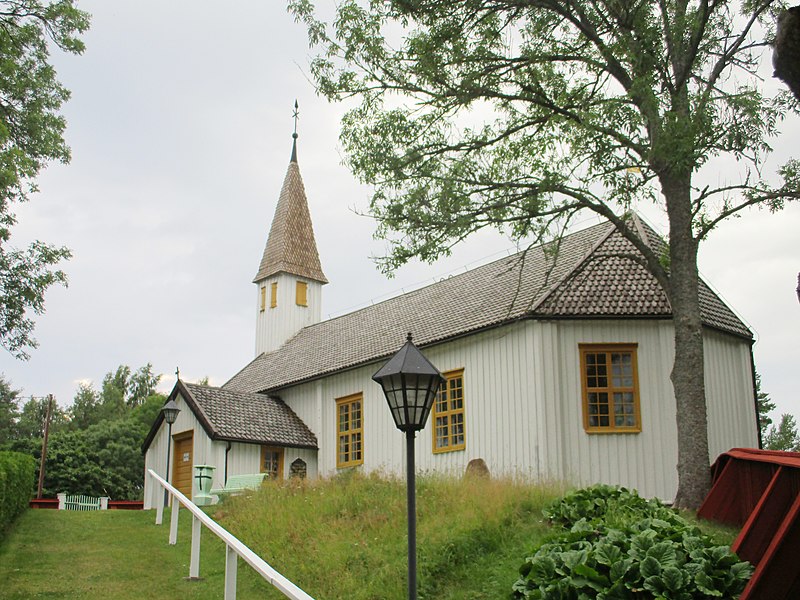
(233, 544)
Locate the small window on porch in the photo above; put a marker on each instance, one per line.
(272, 462)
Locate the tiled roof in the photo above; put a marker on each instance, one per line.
(291, 246)
(607, 283)
(587, 279)
(244, 417)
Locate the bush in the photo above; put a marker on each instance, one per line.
(612, 544)
(17, 477)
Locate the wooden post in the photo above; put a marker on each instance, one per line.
(231, 564)
(194, 559)
(44, 446)
(173, 522)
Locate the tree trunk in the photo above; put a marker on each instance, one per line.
(688, 370)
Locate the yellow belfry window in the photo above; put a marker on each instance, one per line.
(448, 414)
(273, 294)
(263, 297)
(610, 383)
(349, 431)
(301, 293)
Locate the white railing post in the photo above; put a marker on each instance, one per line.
(173, 522)
(231, 564)
(62, 500)
(194, 562)
(103, 502)
(234, 548)
(159, 513)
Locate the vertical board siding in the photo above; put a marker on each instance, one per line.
(276, 325)
(646, 460)
(523, 410)
(155, 458)
(729, 393)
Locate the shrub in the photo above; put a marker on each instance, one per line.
(614, 545)
(17, 476)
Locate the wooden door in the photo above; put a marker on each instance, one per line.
(182, 463)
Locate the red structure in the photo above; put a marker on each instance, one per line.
(760, 490)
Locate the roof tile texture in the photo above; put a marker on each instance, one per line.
(251, 417)
(291, 246)
(589, 276)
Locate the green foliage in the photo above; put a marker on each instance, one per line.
(765, 406)
(9, 412)
(16, 483)
(104, 459)
(519, 115)
(612, 545)
(95, 446)
(348, 534)
(86, 408)
(476, 114)
(30, 424)
(784, 436)
(31, 135)
(597, 503)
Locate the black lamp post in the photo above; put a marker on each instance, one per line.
(170, 411)
(410, 383)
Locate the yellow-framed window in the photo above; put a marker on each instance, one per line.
(272, 461)
(610, 387)
(349, 431)
(449, 432)
(263, 298)
(301, 293)
(273, 294)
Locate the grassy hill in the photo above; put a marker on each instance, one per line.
(340, 538)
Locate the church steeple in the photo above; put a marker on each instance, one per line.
(291, 246)
(290, 275)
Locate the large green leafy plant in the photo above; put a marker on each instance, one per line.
(614, 545)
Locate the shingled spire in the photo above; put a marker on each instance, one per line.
(291, 246)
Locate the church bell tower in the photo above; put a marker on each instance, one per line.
(290, 278)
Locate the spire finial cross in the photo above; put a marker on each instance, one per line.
(177, 372)
(295, 116)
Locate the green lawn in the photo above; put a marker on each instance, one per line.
(112, 554)
(342, 538)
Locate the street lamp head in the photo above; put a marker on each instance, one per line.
(410, 383)
(170, 411)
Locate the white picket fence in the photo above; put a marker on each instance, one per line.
(81, 502)
(234, 548)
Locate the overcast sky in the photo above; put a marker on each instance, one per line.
(180, 128)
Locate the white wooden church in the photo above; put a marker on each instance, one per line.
(556, 369)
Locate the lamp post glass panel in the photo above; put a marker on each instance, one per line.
(410, 383)
(170, 411)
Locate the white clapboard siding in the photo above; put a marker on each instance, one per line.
(276, 325)
(523, 406)
(729, 394)
(523, 410)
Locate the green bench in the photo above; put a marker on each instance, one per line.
(237, 484)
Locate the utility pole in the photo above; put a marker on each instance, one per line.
(44, 444)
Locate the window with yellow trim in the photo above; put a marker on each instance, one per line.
(448, 414)
(272, 462)
(301, 293)
(273, 294)
(263, 297)
(610, 385)
(349, 431)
